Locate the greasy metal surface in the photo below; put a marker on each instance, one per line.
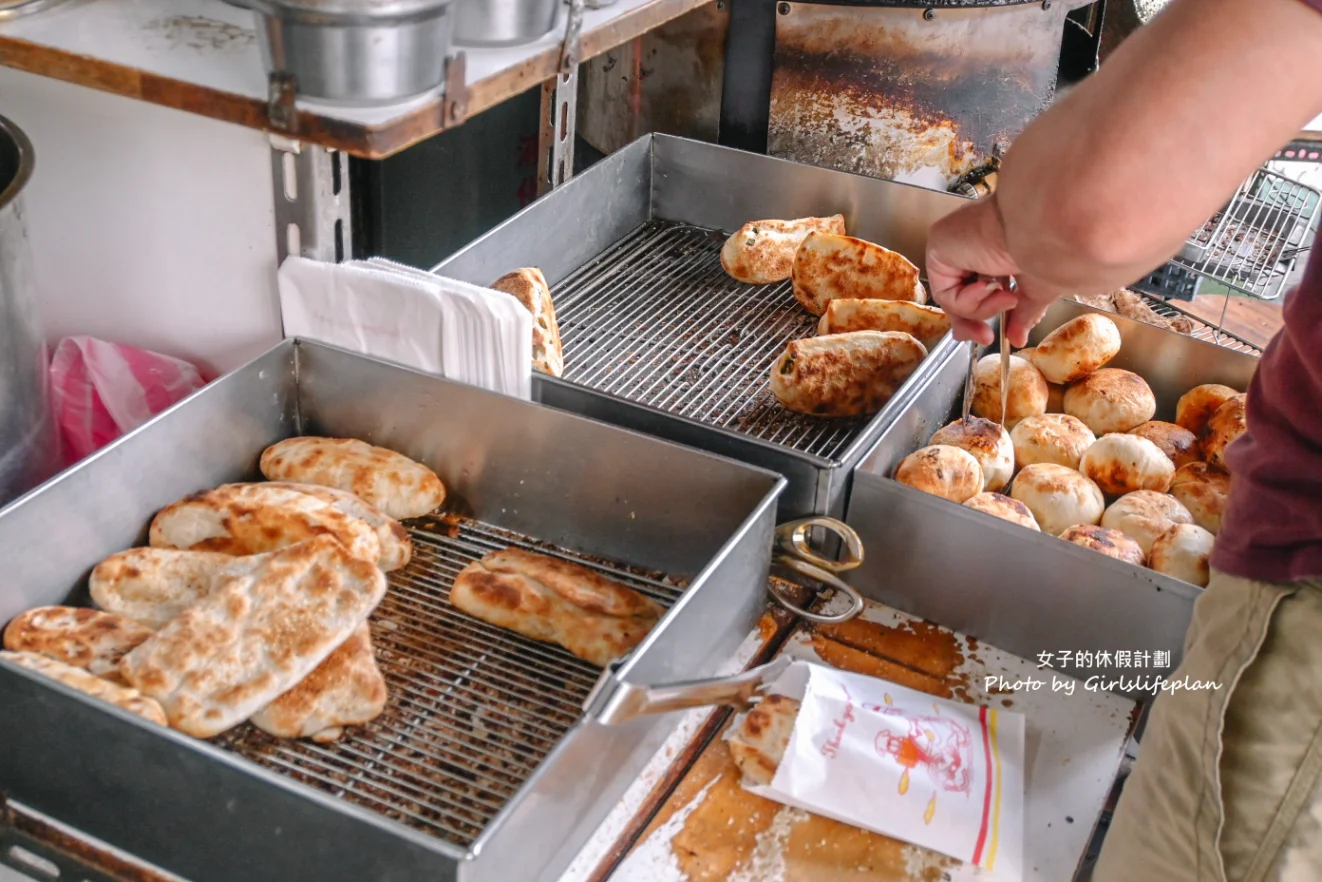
(473, 709)
(207, 813)
(1023, 591)
(1254, 244)
(894, 94)
(657, 321)
(668, 80)
(710, 828)
(574, 235)
(72, 852)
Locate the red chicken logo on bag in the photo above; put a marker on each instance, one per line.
(941, 747)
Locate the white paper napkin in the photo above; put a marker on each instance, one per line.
(442, 326)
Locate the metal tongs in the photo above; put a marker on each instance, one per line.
(793, 552)
(613, 701)
(1009, 284)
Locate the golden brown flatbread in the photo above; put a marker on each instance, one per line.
(398, 486)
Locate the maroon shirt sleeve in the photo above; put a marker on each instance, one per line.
(1272, 527)
(1316, 4)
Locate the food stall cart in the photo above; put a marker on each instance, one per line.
(490, 763)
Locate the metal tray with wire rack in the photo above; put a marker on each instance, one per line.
(1202, 330)
(1254, 243)
(472, 709)
(484, 765)
(658, 339)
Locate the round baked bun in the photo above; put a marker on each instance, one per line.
(1077, 348)
(1182, 552)
(1176, 442)
(1028, 390)
(1111, 400)
(1144, 515)
(1196, 406)
(1227, 424)
(1121, 464)
(1202, 489)
(1051, 437)
(1058, 497)
(949, 472)
(990, 445)
(1001, 506)
(1103, 540)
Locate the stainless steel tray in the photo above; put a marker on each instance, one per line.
(659, 339)
(482, 767)
(1021, 591)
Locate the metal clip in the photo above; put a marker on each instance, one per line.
(613, 701)
(282, 89)
(571, 48)
(456, 89)
(795, 554)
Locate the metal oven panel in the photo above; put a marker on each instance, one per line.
(909, 93)
(480, 768)
(658, 339)
(1021, 591)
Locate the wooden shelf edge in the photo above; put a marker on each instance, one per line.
(367, 142)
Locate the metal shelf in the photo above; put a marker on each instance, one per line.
(202, 56)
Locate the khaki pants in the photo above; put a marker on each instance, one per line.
(1226, 788)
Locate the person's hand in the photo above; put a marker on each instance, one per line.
(966, 251)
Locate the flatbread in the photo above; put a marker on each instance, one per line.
(399, 486)
(758, 742)
(346, 689)
(83, 638)
(256, 636)
(761, 252)
(153, 585)
(396, 546)
(529, 287)
(927, 324)
(841, 375)
(241, 519)
(829, 267)
(76, 678)
(556, 601)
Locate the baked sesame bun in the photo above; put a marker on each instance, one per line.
(1121, 464)
(1196, 406)
(1183, 552)
(1058, 497)
(1144, 515)
(1111, 400)
(999, 505)
(1177, 442)
(1104, 540)
(1028, 390)
(1227, 424)
(1051, 437)
(1203, 490)
(990, 445)
(942, 470)
(1077, 348)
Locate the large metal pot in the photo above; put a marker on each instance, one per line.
(493, 23)
(28, 440)
(356, 52)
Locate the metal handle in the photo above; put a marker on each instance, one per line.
(792, 540)
(613, 702)
(804, 568)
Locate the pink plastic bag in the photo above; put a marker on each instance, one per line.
(102, 390)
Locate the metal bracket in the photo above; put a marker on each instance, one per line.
(555, 163)
(456, 89)
(282, 89)
(313, 211)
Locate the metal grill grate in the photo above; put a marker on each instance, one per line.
(473, 709)
(1201, 329)
(1253, 244)
(655, 320)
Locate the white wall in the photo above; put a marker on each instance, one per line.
(149, 226)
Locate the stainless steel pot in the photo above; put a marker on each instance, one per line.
(28, 440)
(359, 52)
(503, 22)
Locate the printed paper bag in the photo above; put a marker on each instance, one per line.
(939, 774)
